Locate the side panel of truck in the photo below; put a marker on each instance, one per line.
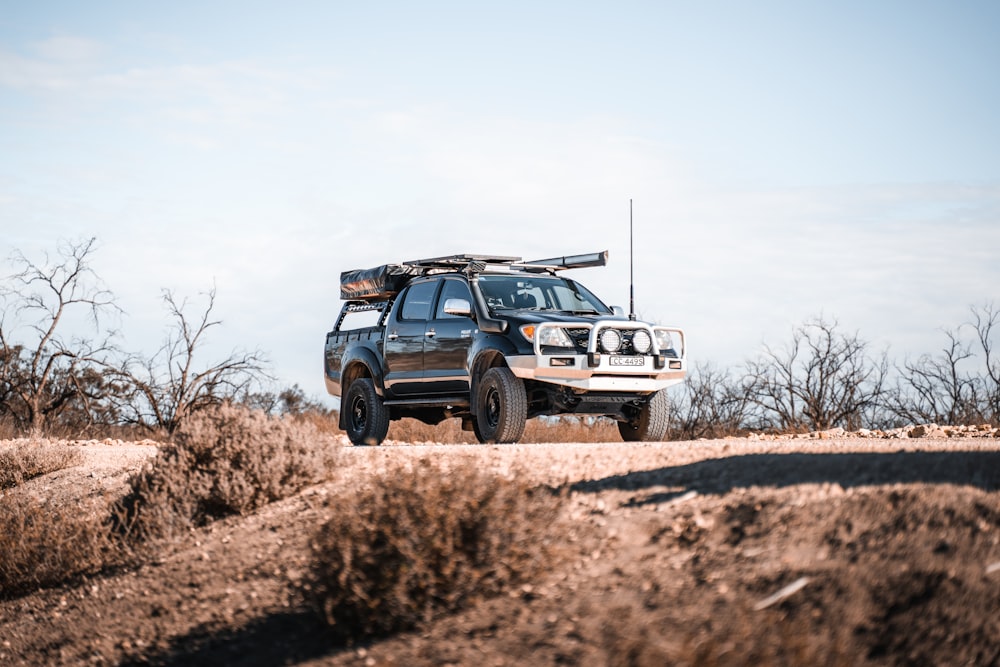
(447, 341)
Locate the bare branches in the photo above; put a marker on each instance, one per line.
(39, 374)
(822, 379)
(169, 386)
(985, 320)
(713, 404)
(933, 389)
(957, 386)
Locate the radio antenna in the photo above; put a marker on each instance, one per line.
(631, 274)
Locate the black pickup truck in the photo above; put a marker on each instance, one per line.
(494, 341)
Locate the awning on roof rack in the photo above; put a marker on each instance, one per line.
(571, 261)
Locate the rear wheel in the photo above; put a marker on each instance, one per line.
(651, 422)
(366, 418)
(501, 407)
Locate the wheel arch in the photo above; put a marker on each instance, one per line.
(485, 360)
(359, 366)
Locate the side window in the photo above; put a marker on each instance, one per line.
(452, 289)
(417, 301)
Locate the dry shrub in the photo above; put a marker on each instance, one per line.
(23, 460)
(414, 431)
(572, 429)
(225, 460)
(563, 429)
(46, 544)
(420, 542)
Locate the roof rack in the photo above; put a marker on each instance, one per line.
(468, 262)
(385, 281)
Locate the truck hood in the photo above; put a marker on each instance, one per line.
(519, 317)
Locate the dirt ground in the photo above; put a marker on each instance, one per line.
(837, 550)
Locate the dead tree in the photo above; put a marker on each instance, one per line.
(985, 320)
(934, 389)
(164, 389)
(712, 405)
(40, 371)
(822, 379)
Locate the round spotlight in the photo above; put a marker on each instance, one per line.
(641, 342)
(611, 340)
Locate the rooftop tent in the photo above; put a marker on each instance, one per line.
(381, 282)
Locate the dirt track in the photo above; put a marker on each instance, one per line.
(803, 551)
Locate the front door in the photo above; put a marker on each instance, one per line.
(446, 343)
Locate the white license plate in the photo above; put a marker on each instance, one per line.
(627, 361)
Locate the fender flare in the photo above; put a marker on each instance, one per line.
(357, 363)
(488, 354)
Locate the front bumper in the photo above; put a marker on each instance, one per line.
(597, 371)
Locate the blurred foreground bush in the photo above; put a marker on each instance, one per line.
(224, 460)
(43, 544)
(425, 541)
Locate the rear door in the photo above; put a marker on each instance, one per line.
(404, 339)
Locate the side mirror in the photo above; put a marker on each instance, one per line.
(618, 311)
(459, 307)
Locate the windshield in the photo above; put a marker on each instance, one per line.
(539, 293)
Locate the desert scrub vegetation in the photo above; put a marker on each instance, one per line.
(43, 544)
(224, 460)
(24, 460)
(427, 540)
(561, 429)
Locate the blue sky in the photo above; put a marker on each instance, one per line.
(785, 159)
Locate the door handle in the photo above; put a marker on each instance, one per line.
(430, 333)
(392, 336)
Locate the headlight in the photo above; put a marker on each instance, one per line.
(611, 340)
(547, 336)
(641, 342)
(663, 340)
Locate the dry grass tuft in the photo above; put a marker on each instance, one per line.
(225, 460)
(425, 541)
(45, 544)
(24, 460)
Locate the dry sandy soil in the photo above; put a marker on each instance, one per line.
(735, 551)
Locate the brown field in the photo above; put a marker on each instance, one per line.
(825, 550)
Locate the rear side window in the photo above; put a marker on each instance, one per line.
(417, 301)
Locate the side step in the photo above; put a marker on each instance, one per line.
(436, 402)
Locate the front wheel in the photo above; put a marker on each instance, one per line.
(366, 419)
(501, 407)
(650, 424)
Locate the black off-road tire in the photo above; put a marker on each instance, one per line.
(651, 423)
(501, 407)
(366, 419)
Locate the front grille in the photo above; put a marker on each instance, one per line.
(580, 336)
